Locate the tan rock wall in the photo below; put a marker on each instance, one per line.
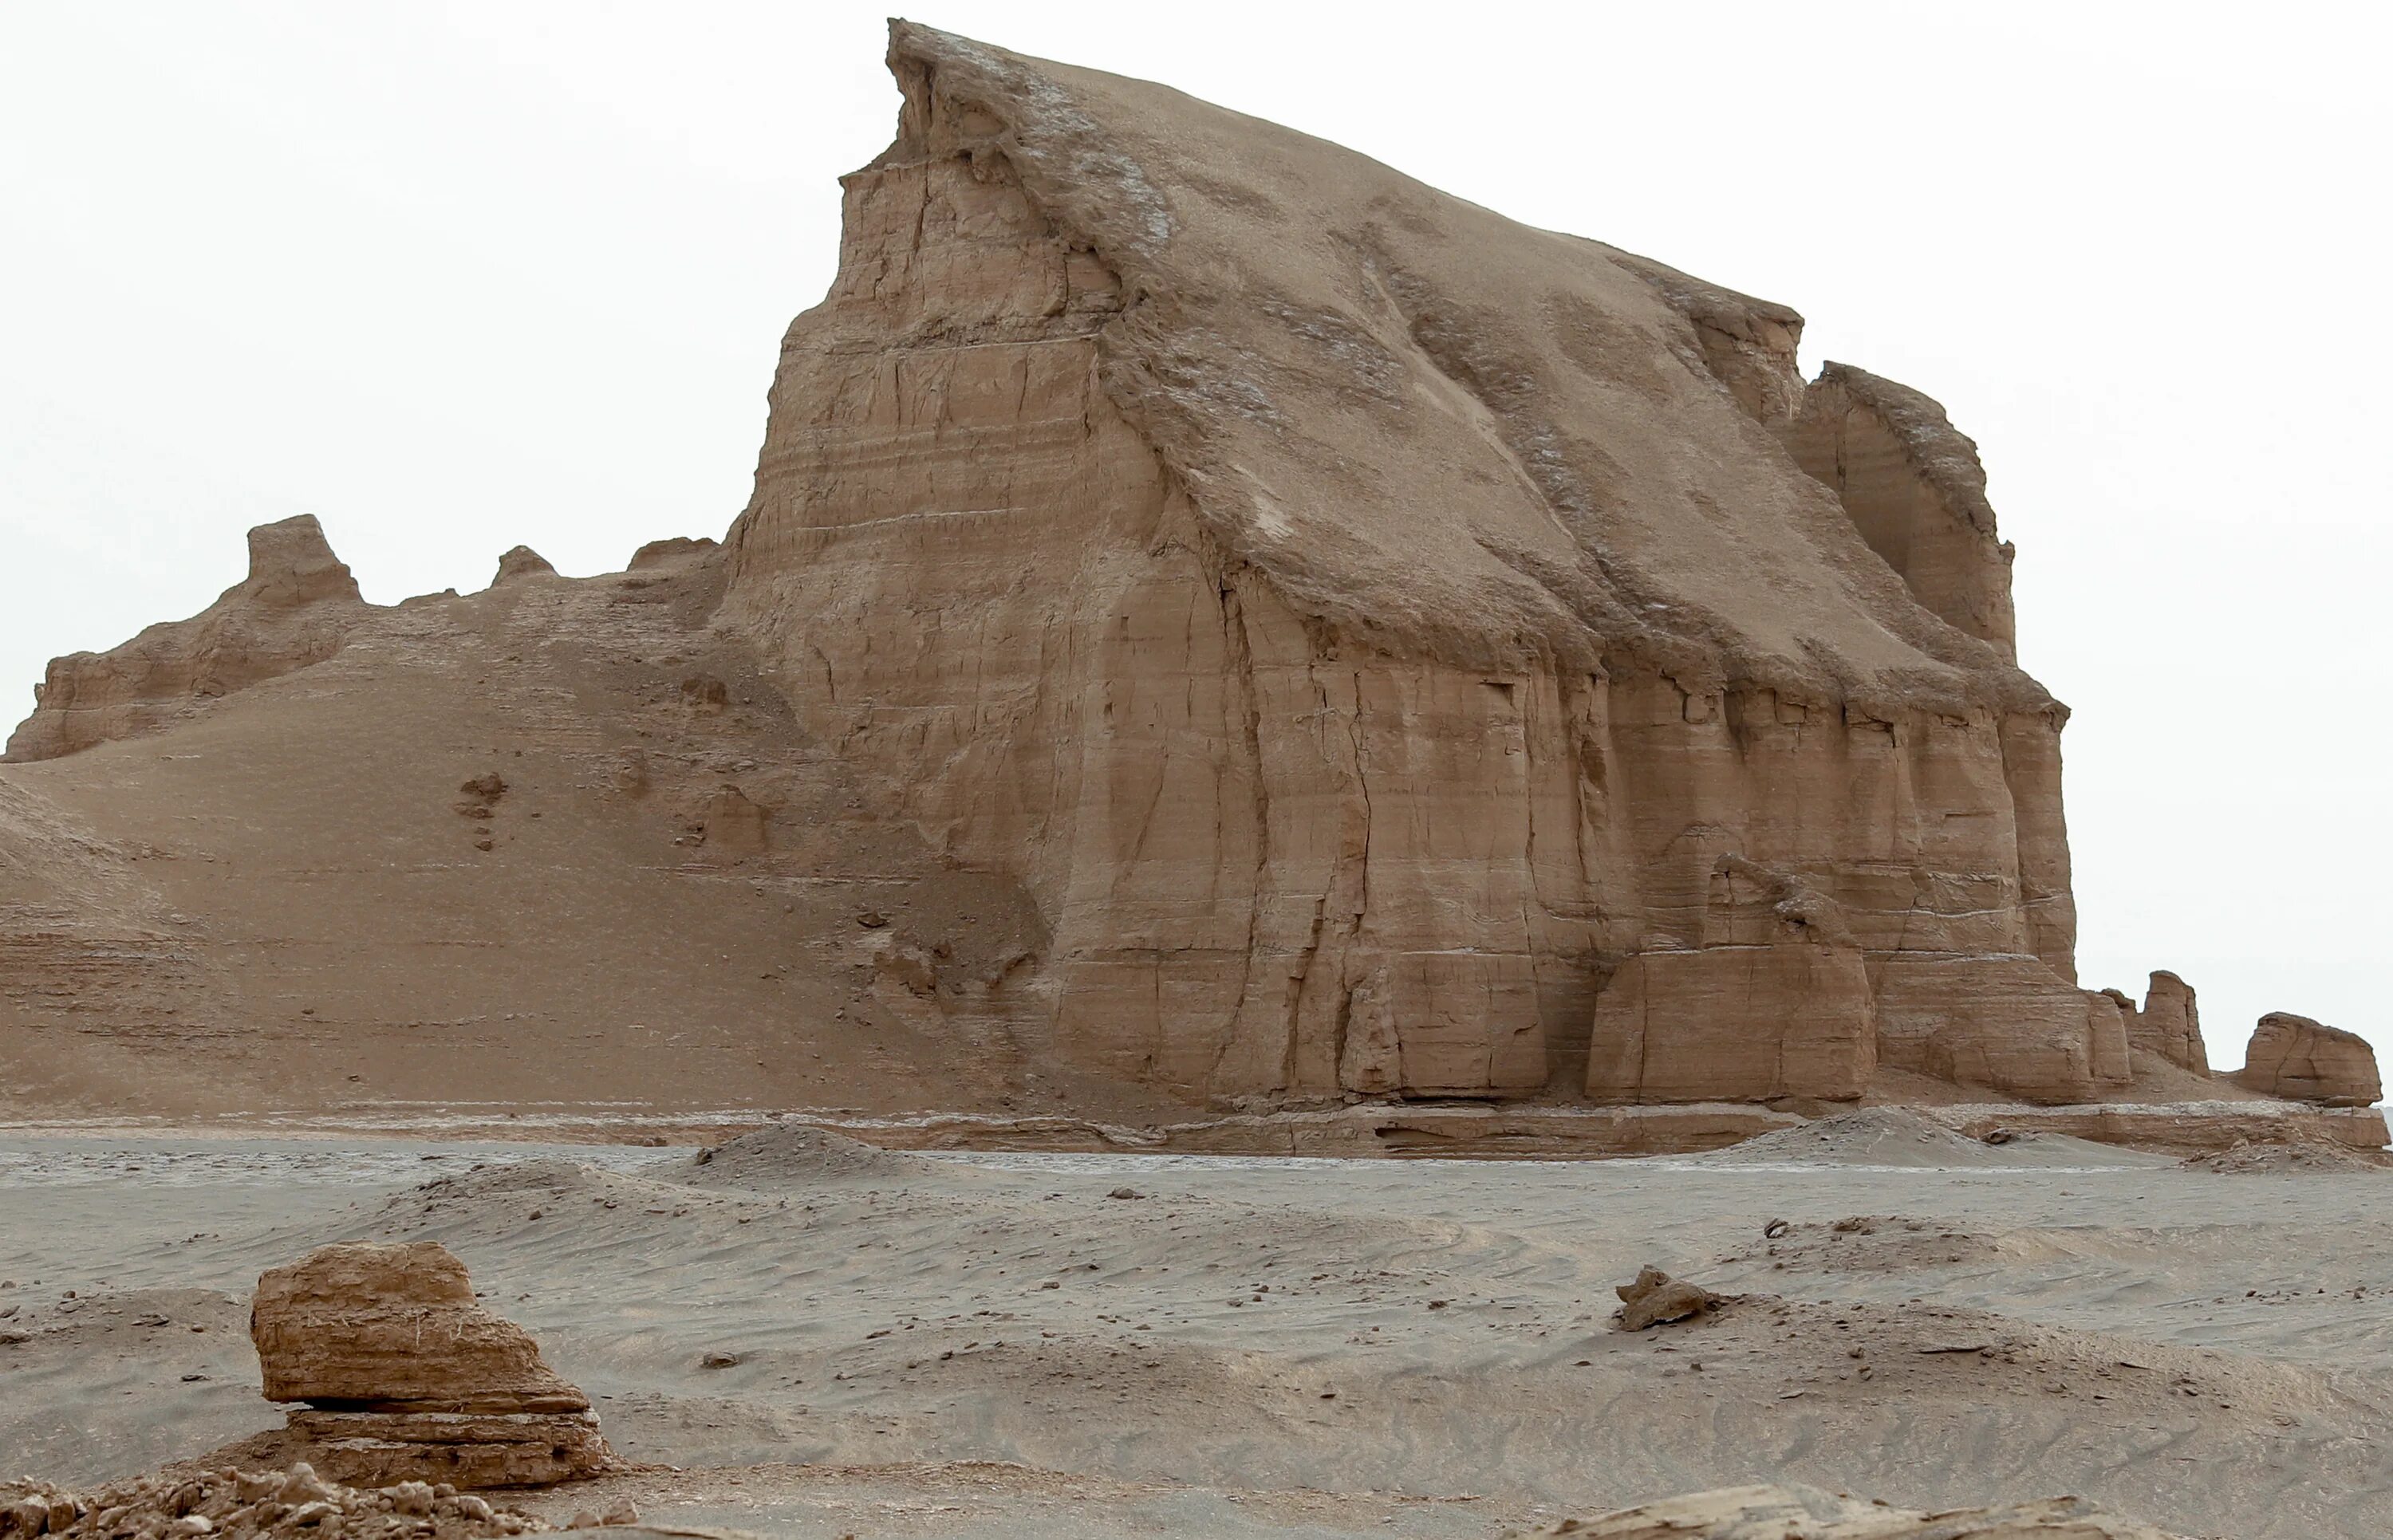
(1743, 1024)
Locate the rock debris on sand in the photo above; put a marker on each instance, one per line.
(1806, 1513)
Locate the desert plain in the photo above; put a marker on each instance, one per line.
(805, 1335)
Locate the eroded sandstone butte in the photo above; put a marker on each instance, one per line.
(1218, 623)
(1385, 637)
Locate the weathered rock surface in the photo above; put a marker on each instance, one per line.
(2301, 1060)
(1916, 491)
(2169, 1025)
(1344, 637)
(296, 608)
(1806, 1513)
(408, 1379)
(521, 563)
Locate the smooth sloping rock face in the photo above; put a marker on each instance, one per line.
(1791, 1512)
(408, 1379)
(394, 1328)
(1362, 620)
(296, 608)
(2301, 1060)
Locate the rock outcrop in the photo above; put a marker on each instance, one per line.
(2169, 1025)
(520, 564)
(2301, 1060)
(1366, 630)
(406, 1377)
(297, 607)
(1916, 491)
(1792, 1512)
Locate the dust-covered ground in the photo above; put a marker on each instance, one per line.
(830, 1340)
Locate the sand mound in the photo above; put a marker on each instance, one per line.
(1897, 1136)
(1871, 1244)
(499, 1200)
(796, 1155)
(1873, 1136)
(2249, 1158)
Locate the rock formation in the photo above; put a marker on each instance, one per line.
(2168, 1024)
(2301, 1060)
(1916, 491)
(1368, 643)
(1260, 630)
(296, 608)
(1806, 1513)
(520, 563)
(405, 1377)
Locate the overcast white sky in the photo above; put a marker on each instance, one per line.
(452, 277)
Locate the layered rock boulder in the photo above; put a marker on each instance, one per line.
(1367, 624)
(404, 1376)
(297, 606)
(2301, 1060)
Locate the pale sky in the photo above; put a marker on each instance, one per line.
(453, 277)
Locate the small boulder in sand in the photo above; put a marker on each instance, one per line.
(1792, 1512)
(406, 1377)
(1655, 1297)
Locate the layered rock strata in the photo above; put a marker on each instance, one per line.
(404, 1376)
(1369, 625)
(297, 606)
(2299, 1060)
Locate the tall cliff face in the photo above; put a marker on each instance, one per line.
(1397, 647)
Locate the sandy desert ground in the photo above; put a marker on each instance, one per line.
(821, 1339)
